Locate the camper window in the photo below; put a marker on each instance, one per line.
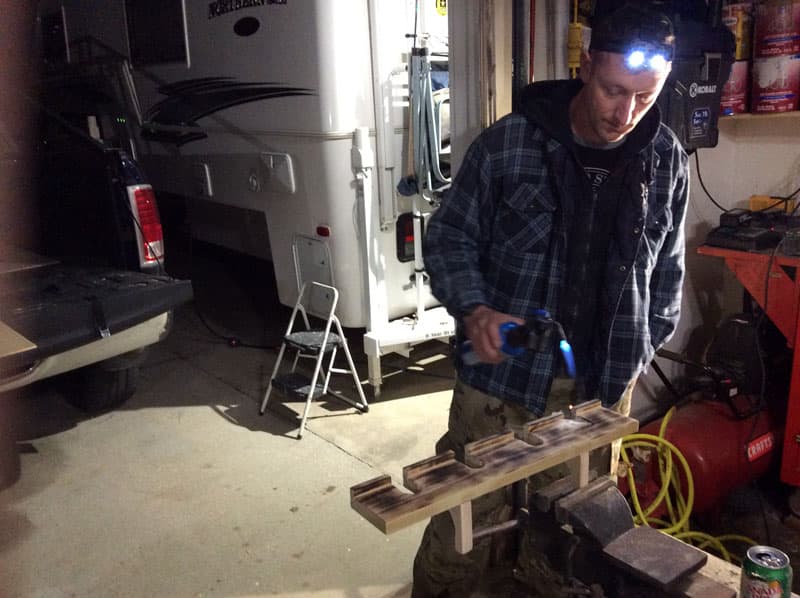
(156, 32)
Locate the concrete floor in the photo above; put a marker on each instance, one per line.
(186, 491)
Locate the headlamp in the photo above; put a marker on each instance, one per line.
(643, 58)
(646, 39)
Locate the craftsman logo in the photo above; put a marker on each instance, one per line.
(760, 446)
(695, 89)
(221, 7)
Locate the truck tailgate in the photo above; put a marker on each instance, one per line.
(60, 307)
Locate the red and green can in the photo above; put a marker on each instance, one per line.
(766, 573)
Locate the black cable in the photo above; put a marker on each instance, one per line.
(416, 17)
(791, 195)
(208, 326)
(762, 403)
(231, 341)
(664, 380)
(781, 200)
(703, 185)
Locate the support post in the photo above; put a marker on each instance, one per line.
(462, 524)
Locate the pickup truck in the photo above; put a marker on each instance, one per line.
(90, 294)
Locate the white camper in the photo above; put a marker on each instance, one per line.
(284, 125)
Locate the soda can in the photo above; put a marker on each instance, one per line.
(766, 573)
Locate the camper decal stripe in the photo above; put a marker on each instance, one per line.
(222, 7)
(187, 101)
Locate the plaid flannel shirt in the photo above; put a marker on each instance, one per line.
(499, 239)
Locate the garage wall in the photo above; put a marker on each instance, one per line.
(755, 155)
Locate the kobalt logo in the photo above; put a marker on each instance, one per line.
(695, 89)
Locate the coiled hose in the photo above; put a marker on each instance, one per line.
(679, 509)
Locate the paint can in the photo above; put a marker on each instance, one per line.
(776, 28)
(735, 91)
(775, 84)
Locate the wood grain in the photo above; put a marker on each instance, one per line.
(441, 483)
(462, 523)
(12, 342)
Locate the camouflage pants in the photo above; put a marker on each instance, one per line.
(438, 569)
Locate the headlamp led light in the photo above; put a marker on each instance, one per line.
(642, 57)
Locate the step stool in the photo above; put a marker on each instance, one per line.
(317, 300)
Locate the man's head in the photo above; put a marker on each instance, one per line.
(628, 62)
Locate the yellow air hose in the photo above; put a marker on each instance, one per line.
(679, 509)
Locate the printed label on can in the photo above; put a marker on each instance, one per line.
(735, 91)
(777, 28)
(766, 573)
(776, 84)
(755, 588)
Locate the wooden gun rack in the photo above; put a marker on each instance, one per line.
(443, 483)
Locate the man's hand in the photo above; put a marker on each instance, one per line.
(482, 327)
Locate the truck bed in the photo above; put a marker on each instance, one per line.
(59, 308)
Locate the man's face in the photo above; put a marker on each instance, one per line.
(614, 99)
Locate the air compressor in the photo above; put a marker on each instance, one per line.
(729, 425)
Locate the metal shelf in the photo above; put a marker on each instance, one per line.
(748, 116)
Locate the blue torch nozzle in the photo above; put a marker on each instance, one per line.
(569, 358)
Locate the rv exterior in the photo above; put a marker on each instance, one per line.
(283, 126)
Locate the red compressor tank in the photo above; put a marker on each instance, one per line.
(724, 452)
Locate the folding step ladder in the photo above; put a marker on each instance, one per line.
(317, 300)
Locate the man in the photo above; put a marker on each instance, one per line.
(574, 205)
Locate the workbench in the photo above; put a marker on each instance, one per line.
(721, 572)
(773, 282)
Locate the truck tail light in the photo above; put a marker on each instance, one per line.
(149, 234)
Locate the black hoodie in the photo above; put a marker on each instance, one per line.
(546, 104)
(590, 229)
